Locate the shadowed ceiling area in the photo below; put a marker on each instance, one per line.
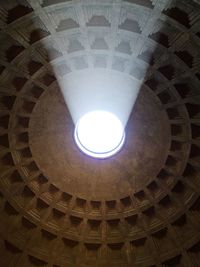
(61, 208)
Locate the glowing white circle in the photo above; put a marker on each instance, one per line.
(99, 134)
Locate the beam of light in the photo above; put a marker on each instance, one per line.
(100, 103)
(99, 134)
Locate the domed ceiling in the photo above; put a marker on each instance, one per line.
(61, 208)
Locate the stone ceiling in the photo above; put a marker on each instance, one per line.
(60, 208)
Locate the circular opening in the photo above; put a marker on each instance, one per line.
(99, 134)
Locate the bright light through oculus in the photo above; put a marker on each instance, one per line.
(99, 134)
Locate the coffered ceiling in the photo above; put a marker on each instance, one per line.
(60, 208)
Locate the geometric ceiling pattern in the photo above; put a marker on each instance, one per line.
(61, 208)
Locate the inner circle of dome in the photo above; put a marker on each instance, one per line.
(99, 134)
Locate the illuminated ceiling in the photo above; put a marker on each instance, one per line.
(59, 207)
